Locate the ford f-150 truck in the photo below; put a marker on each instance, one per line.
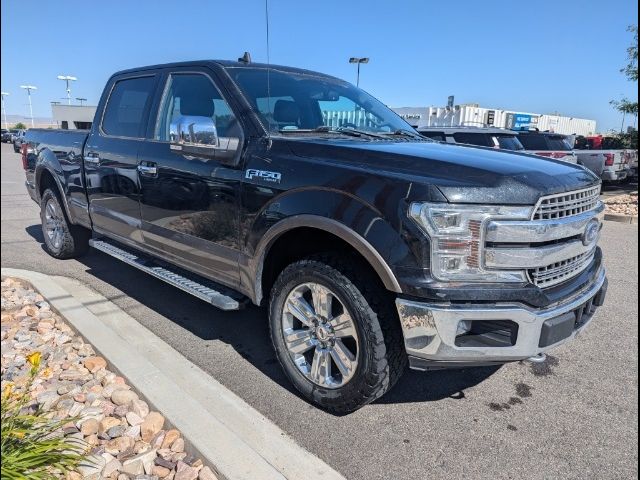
(370, 245)
(606, 157)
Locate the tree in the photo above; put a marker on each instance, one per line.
(20, 126)
(631, 70)
(626, 106)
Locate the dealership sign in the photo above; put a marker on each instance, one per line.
(520, 120)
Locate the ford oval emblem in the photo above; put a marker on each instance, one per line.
(590, 234)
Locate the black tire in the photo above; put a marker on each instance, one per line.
(381, 354)
(73, 240)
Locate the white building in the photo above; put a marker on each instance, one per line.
(474, 115)
(73, 117)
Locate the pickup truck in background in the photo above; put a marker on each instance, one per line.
(606, 157)
(547, 144)
(370, 245)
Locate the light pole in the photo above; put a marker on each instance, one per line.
(81, 100)
(67, 79)
(358, 60)
(28, 88)
(4, 111)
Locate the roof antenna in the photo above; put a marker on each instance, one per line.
(246, 58)
(266, 15)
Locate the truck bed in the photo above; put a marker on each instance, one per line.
(62, 150)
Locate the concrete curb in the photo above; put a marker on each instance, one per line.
(620, 218)
(231, 436)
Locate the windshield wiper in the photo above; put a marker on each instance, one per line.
(349, 131)
(406, 133)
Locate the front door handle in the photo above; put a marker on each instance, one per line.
(148, 169)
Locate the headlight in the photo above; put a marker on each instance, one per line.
(457, 239)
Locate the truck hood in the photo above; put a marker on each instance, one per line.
(464, 174)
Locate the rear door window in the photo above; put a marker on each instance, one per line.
(480, 139)
(127, 109)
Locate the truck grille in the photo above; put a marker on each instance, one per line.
(567, 204)
(558, 272)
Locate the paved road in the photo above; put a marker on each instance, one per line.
(574, 417)
(612, 190)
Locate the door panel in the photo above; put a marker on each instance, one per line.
(189, 202)
(111, 156)
(112, 185)
(189, 210)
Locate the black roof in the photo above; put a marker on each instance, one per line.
(224, 64)
(538, 132)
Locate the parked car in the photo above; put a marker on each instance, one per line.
(547, 144)
(480, 136)
(8, 135)
(606, 157)
(370, 245)
(18, 139)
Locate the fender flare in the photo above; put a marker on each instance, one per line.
(42, 167)
(340, 230)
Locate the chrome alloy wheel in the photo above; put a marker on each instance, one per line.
(54, 224)
(320, 335)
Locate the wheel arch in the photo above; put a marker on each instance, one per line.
(47, 177)
(334, 232)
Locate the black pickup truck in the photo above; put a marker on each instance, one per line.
(370, 245)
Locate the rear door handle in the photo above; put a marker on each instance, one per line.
(148, 169)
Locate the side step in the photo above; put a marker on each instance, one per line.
(201, 288)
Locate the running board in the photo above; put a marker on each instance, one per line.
(202, 288)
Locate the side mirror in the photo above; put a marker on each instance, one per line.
(198, 136)
(194, 130)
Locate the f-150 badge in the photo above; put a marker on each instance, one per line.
(273, 177)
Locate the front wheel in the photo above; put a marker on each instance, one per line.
(339, 347)
(62, 239)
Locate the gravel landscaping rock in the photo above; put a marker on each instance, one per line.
(622, 204)
(126, 440)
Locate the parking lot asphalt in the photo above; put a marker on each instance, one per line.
(613, 190)
(576, 416)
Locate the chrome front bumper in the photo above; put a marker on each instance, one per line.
(430, 330)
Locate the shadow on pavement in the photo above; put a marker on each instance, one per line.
(209, 323)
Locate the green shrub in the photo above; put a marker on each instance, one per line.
(33, 445)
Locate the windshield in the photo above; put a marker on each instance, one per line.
(303, 101)
(509, 142)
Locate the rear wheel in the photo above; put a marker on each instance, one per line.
(62, 239)
(327, 330)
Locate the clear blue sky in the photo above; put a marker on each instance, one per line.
(533, 56)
